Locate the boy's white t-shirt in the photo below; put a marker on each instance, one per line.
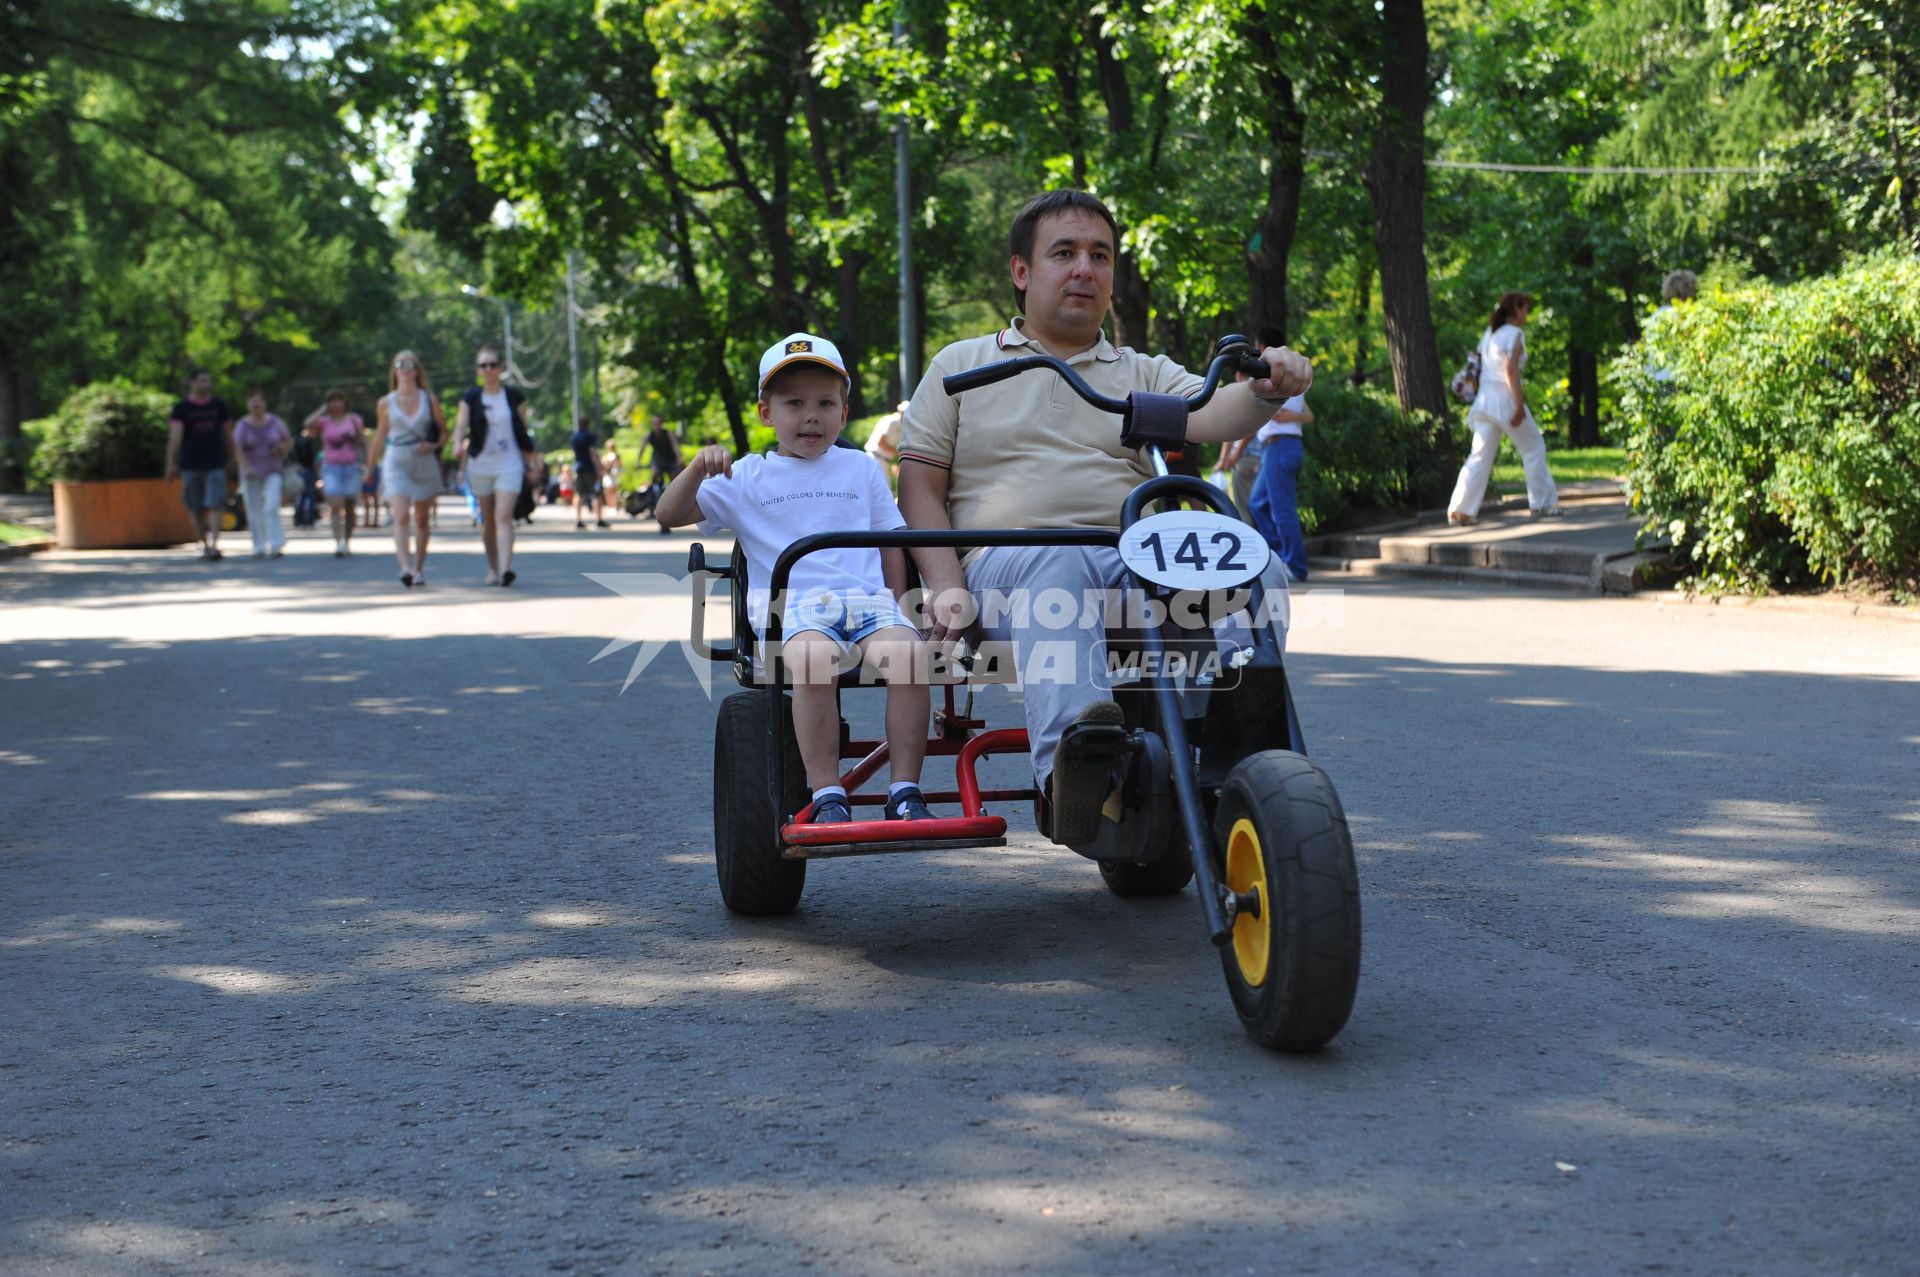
(771, 501)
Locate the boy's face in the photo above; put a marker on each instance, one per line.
(807, 406)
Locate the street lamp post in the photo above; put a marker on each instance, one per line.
(506, 324)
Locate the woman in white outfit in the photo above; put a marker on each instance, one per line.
(263, 441)
(1501, 405)
(406, 447)
(490, 434)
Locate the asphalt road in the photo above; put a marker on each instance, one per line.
(344, 929)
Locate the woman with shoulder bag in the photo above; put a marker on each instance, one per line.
(1500, 406)
(406, 448)
(490, 434)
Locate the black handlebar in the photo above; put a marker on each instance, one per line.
(1236, 356)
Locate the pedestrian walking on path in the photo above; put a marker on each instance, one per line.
(406, 452)
(1500, 406)
(306, 472)
(1271, 498)
(490, 433)
(339, 430)
(587, 497)
(262, 441)
(200, 454)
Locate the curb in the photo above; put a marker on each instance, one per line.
(21, 549)
(1457, 575)
(1804, 605)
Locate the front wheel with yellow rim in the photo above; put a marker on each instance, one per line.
(1287, 856)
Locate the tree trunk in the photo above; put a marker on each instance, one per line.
(1583, 387)
(725, 379)
(16, 407)
(1362, 314)
(846, 294)
(1132, 299)
(1271, 247)
(846, 274)
(1396, 179)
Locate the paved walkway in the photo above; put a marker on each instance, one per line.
(352, 929)
(28, 510)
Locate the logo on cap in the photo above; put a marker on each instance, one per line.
(799, 347)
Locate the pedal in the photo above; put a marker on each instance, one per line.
(1085, 767)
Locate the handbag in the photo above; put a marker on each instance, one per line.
(1466, 383)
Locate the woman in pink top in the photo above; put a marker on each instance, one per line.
(339, 432)
(262, 441)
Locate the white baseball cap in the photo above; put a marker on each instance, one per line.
(801, 348)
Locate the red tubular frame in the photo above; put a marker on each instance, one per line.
(975, 823)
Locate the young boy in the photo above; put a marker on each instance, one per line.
(838, 602)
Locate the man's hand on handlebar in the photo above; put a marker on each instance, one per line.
(1289, 374)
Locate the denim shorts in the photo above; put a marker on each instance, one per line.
(342, 481)
(848, 619)
(203, 489)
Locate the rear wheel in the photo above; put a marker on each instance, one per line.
(754, 877)
(1294, 962)
(1163, 877)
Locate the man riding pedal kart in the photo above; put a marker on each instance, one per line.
(1026, 452)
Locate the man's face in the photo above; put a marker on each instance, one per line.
(202, 385)
(1070, 279)
(806, 405)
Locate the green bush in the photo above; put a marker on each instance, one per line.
(1785, 450)
(1362, 454)
(109, 430)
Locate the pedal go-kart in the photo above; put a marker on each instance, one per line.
(1217, 789)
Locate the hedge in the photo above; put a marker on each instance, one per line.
(109, 430)
(1784, 450)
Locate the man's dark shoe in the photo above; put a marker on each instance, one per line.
(1084, 766)
(832, 811)
(908, 805)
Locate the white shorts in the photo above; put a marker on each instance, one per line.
(487, 484)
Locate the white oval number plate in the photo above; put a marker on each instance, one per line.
(1194, 550)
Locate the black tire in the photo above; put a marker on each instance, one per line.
(1163, 877)
(754, 877)
(1308, 930)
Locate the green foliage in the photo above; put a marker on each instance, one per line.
(109, 430)
(1786, 448)
(180, 188)
(1568, 465)
(1362, 454)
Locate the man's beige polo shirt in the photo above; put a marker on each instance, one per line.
(1028, 452)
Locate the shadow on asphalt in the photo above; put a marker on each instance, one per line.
(441, 914)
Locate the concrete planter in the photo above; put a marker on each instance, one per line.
(120, 514)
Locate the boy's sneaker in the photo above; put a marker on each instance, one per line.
(832, 811)
(908, 805)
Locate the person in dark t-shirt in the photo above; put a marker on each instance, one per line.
(306, 459)
(200, 451)
(586, 479)
(666, 452)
